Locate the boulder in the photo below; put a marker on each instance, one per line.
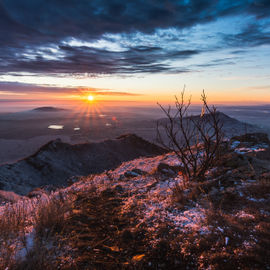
(167, 169)
(252, 138)
(133, 173)
(130, 174)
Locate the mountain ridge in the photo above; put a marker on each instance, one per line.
(55, 162)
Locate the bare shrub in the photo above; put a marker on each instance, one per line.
(196, 140)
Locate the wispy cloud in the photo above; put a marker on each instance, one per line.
(14, 88)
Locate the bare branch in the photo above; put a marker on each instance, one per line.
(195, 140)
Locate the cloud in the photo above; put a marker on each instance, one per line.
(38, 34)
(254, 34)
(138, 59)
(218, 62)
(23, 88)
(114, 93)
(96, 17)
(15, 88)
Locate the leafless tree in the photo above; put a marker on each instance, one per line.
(196, 140)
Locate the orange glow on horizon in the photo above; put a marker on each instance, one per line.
(237, 96)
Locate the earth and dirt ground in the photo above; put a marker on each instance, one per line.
(142, 215)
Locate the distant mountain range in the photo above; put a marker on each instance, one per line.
(49, 109)
(231, 126)
(56, 162)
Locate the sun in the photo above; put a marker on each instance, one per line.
(90, 98)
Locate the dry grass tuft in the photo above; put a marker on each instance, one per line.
(28, 226)
(51, 216)
(13, 228)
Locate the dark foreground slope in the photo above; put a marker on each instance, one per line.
(56, 162)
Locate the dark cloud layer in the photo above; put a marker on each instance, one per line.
(84, 59)
(31, 24)
(96, 17)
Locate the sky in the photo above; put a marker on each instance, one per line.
(140, 51)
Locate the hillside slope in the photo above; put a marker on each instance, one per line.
(142, 215)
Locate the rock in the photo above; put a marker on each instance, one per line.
(234, 160)
(130, 174)
(108, 193)
(133, 173)
(119, 189)
(167, 169)
(138, 171)
(121, 177)
(38, 192)
(252, 138)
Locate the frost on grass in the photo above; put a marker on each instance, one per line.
(150, 195)
(243, 215)
(248, 147)
(22, 226)
(226, 220)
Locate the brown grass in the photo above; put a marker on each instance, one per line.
(46, 217)
(51, 216)
(13, 223)
(88, 230)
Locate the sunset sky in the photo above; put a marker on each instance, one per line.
(135, 50)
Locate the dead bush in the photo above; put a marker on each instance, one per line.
(196, 140)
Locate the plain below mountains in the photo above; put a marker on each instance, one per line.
(56, 162)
